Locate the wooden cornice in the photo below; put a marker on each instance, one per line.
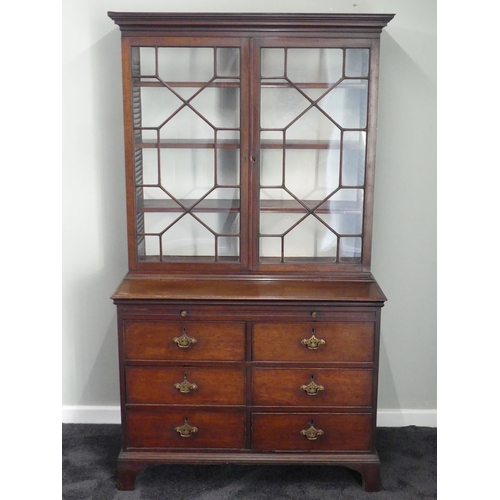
(255, 22)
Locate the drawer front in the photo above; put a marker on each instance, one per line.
(343, 342)
(311, 432)
(156, 340)
(168, 430)
(185, 385)
(296, 387)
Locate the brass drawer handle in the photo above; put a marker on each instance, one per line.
(186, 430)
(311, 389)
(313, 342)
(184, 341)
(185, 387)
(184, 314)
(312, 433)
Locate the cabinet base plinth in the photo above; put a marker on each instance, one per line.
(130, 463)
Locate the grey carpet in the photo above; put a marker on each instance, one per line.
(408, 470)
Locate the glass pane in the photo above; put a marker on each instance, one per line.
(278, 223)
(187, 174)
(270, 247)
(188, 237)
(347, 103)
(350, 250)
(313, 126)
(147, 61)
(152, 247)
(219, 106)
(185, 64)
(155, 223)
(228, 167)
(157, 105)
(271, 167)
(150, 164)
(310, 238)
(353, 158)
(322, 176)
(220, 223)
(273, 63)
(228, 62)
(280, 106)
(357, 62)
(343, 212)
(271, 158)
(188, 125)
(220, 200)
(314, 65)
(228, 247)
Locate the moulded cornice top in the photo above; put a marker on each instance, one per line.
(153, 21)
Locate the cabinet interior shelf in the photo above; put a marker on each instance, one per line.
(266, 144)
(227, 205)
(272, 83)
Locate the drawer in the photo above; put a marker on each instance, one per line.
(296, 387)
(152, 429)
(156, 340)
(155, 385)
(342, 342)
(311, 432)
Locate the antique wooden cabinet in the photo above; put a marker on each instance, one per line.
(249, 320)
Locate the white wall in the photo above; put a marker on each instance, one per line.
(94, 237)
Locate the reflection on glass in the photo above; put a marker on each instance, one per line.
(219, 223)
(350, 250)
(228, 247)
(281, 106)
(218, 106)
(228, 62)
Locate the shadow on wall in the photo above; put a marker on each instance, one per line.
(90, 349)
(404, 245)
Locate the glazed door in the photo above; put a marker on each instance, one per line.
(313, 135)
(188, 107)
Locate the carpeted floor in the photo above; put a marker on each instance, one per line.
(408, 470)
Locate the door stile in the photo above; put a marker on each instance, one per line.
(370, 153)
(245, 153)
(255, 157)
(128, 113)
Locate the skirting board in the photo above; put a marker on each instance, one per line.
(111, 415)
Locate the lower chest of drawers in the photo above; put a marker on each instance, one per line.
(240, 379)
